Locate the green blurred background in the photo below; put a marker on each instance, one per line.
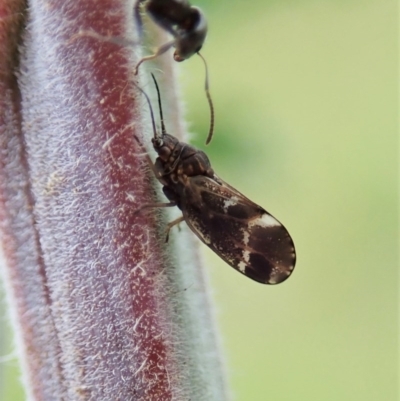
(306, 104)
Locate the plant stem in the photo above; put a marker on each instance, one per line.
(103, 308)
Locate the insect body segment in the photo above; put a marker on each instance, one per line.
(242, 233)
(187, 24)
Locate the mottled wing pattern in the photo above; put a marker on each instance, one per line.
(239, 231)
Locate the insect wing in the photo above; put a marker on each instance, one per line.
(242, 233)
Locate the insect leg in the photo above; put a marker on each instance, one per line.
(161, 50)
(171, 224)
(154, 205)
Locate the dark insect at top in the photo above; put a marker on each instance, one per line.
(242, 233)
(186, 23)
(188, 26)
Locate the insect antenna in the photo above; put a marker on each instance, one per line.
(153, 123)
(163, 130)
(210, 103)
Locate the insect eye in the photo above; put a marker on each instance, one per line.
(164, 152)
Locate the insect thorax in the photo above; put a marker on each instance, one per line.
(177, 161)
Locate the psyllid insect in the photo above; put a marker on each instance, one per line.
(239, 231)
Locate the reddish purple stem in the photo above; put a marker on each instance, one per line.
(91, 285)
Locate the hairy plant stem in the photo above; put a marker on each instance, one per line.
(102, 307)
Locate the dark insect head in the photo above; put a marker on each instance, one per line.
(187, 24)
(190, 35)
